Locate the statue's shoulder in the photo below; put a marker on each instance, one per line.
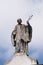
(23, 25)
(16, 26)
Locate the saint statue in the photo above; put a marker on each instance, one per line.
(21, 36)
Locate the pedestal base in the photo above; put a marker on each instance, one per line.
(21, 59)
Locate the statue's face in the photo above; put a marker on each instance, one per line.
(19, 21)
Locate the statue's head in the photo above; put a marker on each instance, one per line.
(19, 21)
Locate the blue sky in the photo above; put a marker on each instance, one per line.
(10, 11)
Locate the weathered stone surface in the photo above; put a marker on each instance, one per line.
(21, 59)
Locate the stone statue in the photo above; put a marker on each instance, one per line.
(21, 36)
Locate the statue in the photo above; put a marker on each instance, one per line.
(21, 36)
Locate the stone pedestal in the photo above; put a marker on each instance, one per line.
(21, 59)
